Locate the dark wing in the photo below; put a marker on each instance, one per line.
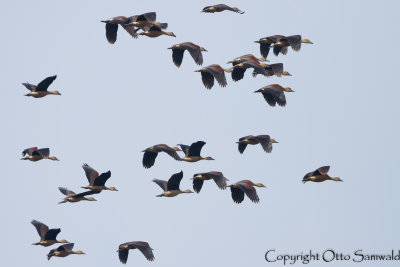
(264, 49)
(242, 147)
(265, 142)
(162, 184)
(169, 151)
(195, 148)
(154, 29)
(219, 76)
(130, 29)
(269, 98)
(149, 158)
(195, 52)
(66, 247)
(218, 178)
(237, 194)
(208, 79)
(277, 49)
(151, 16)
(174, 181)
(238, 73)
(41, 228)
(146, 250)
(66, 192)
(44, 152)
(277, 68)
(91, 174)
(102, 179)
(250, 191)
(123, 255)
(30, 87)
(321, 171)
(177, 56)
(86, 193)
(52, 234)
(111, 32)
(185, 149)
(309, 174)
(197, 184)
(29, 151)
(43, 85)
(295, 42)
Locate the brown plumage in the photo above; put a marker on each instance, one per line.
(194, 50)
(272, 69)
(320, 175)
(192, 152)
(155, 31)
(245, 58)
(239, 69)
(264, 139)
(199, 178)
(245, 187)
(63, 251)
(40, 90)
(171, 187)
(220, 8)
(48, 236)
(150, 154)
(144, 247)
(267, 42)
(294, 41)
(213, 71)
(35, 154)
(145, 21)
(73, 197)
(274, 93)
(97, 181)
(112, 28)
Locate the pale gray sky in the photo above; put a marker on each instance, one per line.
(119, 99)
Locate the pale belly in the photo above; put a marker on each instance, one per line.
(172, 193)
(191, 159)
(39, 94)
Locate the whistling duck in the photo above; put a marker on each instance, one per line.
(199, 178)
(272, 69)
(265, 141)
(63, 251)
(40, 90)
(171, 188)
(245, 58)
(112, 28)
(294, 41)
(220, 8)
(320, 175)
(192, 152)
(213, 71)
(73, 197)
(274, 93)
(123, 250)
(239, 69)
(194, 50)
(96, 181)
(245, 187)
(155, 31)
(150, 154)
(266, 43)
(145, 21)
(35, 154)
(47, 236)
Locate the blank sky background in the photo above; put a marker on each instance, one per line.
(120, 99)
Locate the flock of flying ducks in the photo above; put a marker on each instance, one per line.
(273, 94)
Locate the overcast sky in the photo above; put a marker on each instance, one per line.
(120, 99)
